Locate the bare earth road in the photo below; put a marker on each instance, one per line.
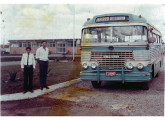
(81, 99)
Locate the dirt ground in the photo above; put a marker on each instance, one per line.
(59, 72)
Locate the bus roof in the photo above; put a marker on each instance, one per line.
(119, 18)
(114, 18)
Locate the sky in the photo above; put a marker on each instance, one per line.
(53, 21)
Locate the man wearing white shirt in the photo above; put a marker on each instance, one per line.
(42, 58)
(28, 67)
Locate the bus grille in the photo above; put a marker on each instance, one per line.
(111, 60)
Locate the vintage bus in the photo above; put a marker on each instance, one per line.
(120, 48)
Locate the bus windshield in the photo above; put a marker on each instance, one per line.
(114, 34)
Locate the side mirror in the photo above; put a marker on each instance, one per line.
(151, 39)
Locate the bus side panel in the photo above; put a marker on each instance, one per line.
(156, 68)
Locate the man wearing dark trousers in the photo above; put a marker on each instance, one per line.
(28, 67)
(42, 58)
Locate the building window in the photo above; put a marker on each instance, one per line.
(28, 44)
(70, 43)
(48, 44)
(34, 44)
(52, 44)
(20, 44)
(24, 44)
(38, 44)
(14, 45)
(61, 47)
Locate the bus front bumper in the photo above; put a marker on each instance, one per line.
(121, 76)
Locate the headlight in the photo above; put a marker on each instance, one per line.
(93, 65)
(85, 65)
(129, 66)
(140, 66)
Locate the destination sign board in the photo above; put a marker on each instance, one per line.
(112, 19)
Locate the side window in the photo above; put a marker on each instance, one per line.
(150, 34)
(158, 38)
(155, 36)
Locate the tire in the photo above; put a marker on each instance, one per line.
(146, 85)
(157, 75)
(152, 71)
(96, 84)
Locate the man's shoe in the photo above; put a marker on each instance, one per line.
(41, 88)
(46, 87)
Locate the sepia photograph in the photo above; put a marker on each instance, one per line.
(82, 59)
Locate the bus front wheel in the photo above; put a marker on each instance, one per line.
(96, 84)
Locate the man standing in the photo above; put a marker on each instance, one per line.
(28, 67)
(42, 58)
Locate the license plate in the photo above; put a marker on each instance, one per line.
(110, 74)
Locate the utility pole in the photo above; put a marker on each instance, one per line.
(74, 34)
(3, 27)
(1, 24)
